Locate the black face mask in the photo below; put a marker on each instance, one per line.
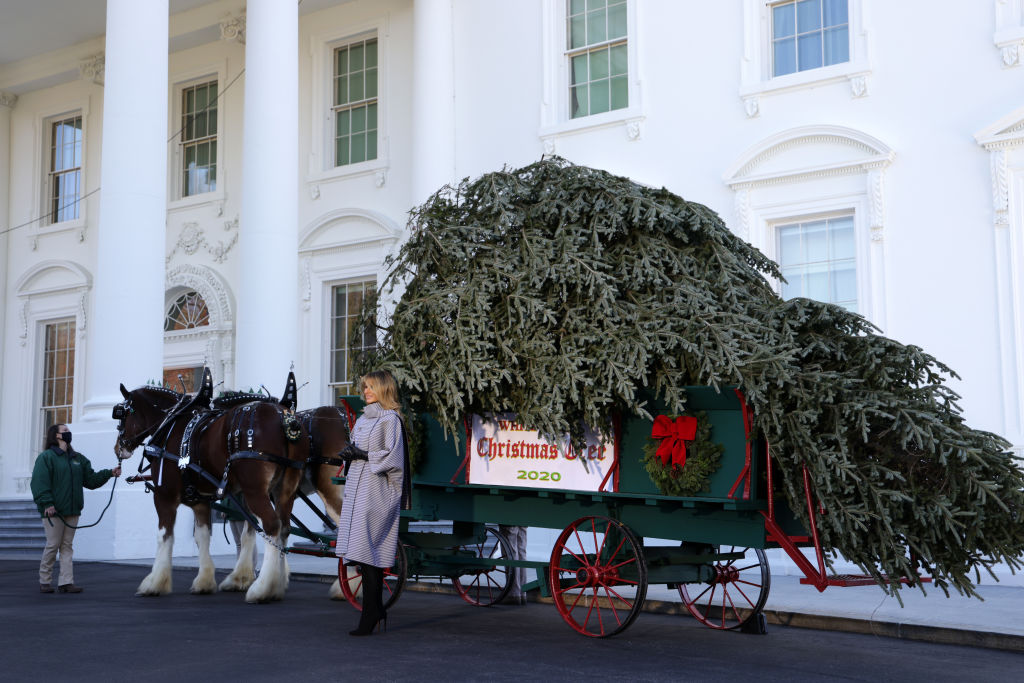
(66, 437)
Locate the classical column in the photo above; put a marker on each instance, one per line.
(7, 102)
(267, 323)
(433, 98)
(125, 341)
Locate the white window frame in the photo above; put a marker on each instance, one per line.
(43, 125)
(555, 109)
(853, 182)
(1009, 31)
(41, 366)
(329, 389)
(175, 156)
(321, 152)
(756, 80)
(211, 344)
(815, 210)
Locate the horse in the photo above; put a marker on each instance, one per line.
(199, 455)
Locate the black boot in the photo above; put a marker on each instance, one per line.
(373, 601)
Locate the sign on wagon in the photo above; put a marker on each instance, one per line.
(506, 453)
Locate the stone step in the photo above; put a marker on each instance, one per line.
(22, 544)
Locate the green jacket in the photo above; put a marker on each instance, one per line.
(58, 478)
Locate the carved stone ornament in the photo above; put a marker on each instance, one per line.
(633, 130)
(192, 238)
(23, 322)
(314, 191)
(549, 146)
(379, 178)
(1011, 54)
(92, 68)
(752, 105)
(8, 99)
(858, 85)
(233, 28)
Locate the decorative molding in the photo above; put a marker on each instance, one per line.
(93, 68)
(306, 282)
(380, 177)
(752, 105)
(1011, 54)
(23, 321)
(633, 130)
(23, 484)
(210, 286)
(549, 146)
(82, 320)
(8, 99)
(1000, 188)
(858, 85)
(192, 237)
(232, 27)
(876, 201)
(314, 191)
(742, 204)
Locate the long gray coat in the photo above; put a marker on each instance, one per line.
(368, 527)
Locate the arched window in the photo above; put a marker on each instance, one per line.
(188, 311)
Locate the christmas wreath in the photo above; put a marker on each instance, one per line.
(680, 456)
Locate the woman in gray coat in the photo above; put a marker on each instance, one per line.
(376, 488)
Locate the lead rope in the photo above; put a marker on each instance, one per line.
(86, 526)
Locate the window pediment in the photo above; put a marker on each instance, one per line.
(53, 276)
(348, 227)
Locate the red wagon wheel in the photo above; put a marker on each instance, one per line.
(351, 580)
(598, 576)
(735, 595)
(486, 587)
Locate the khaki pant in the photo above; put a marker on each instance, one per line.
(58, 537)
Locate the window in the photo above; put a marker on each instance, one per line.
(58, 372)
(598, 61)
(65, 169)
(188, 311)
(190, 378)
(199, 139)
(809, 34)
(818, 261)
(346, 342)
(355, 102)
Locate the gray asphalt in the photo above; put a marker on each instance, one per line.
(108, 634)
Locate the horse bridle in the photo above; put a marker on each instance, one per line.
(120, 412)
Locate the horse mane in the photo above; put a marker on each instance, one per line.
(229, 399)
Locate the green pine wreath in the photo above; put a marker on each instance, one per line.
(703, 458)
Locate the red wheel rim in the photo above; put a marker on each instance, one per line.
(735, 594)
(486, 587)
(598, 576)
(351, 580)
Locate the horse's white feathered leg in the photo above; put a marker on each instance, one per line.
(158, 581)
(335, 592)
(205, 581)
(243, 575)
(273, 580)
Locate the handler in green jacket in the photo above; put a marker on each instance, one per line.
(57, 480)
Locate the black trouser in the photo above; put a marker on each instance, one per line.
(373, 596)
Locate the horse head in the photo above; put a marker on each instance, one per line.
(141, 412)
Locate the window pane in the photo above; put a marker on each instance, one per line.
(815, 241)
(596, 30)
(620, 92)
(342, 123)
(371, 83)
(618, 60)
(580, 105)
(837, 45)
(371, 116)
(842, 244)
(341, 90)
(808, 15)
(371, 145)
(355, 58)
(600, 97)
(834, 12)
(599, 64)
(810, 51)
(358, 147)
(783, 21)
(816, 282)
(579, 69)
(341, 152)
(844, 283)
(355, 87)
(784, 57)
(617, 21)
(577, 31)
(577, 6)
(359, 120)
(371, 54)
(342, 65)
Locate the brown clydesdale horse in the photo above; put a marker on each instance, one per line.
(245, 450)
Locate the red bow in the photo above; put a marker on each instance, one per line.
(674, 436)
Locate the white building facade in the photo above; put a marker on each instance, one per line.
(219, 182)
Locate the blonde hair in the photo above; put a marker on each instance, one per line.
(385, 388)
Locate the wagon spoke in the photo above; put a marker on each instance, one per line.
(721, 610)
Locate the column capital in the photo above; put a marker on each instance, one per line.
(232, 27)
(8, 99)
(93, 68)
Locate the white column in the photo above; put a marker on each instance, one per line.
(7, 102)
(433, 98)
(267, 323)
(126, 330)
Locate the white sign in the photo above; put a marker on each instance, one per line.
(506, 453)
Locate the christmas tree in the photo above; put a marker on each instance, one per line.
(564, 294)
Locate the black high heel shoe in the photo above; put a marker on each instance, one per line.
(380, 625)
